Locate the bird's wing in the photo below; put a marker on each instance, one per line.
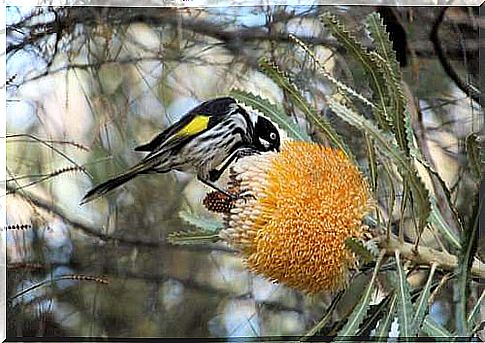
(198, 120)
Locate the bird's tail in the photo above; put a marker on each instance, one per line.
(113, 183)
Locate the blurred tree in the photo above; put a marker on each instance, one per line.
(87, 84)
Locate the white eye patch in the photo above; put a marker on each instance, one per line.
(272, 135)
(264, 142)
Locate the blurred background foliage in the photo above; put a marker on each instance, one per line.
(85, 85)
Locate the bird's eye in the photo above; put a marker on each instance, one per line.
(272, 136)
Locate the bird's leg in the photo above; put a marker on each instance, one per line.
(217, 188)
(215, 174)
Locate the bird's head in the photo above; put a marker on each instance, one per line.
(266, 135)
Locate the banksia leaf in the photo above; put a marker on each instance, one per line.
(358, 247)
(192, 237)
(422, 302)
(266, 107)
(359, 312)
(405, 310)
(388, 147)
(343, 88)
(371, 66)
(281, 79)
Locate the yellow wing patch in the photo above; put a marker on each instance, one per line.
(196, 125)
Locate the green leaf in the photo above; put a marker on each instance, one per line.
(433, 329)
(192, 237)
(469, 248)
(358, 248)
(205, 223)
(416, 154)
(436, 219)
(383, 44)
(368, 61)
(282, 80)
(343, 88)
(405, 310)
(472, 316)
(328, 315)
(372, 161)
(359, 312)
(384, 326)
(422, 302)
(385, 57)
(387, 146)
(269, 109)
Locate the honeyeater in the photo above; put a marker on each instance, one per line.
(212, 135)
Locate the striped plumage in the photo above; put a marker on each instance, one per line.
(215, 132)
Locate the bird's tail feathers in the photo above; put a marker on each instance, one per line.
(113, 183)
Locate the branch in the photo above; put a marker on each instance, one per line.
(94, 232)
(448, 68)
(427, 256)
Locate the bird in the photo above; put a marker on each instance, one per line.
(216, 132)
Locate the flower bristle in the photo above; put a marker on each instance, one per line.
(306, 200)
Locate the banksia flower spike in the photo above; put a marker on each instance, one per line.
(295, 211)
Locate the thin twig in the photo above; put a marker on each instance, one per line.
(448, 68)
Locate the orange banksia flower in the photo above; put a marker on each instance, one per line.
(296, 209)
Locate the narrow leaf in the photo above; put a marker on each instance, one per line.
(358, 248)
(388, 147)
(208, 224)
(282, 80)
(433, 329)
(368, 62)
(269, 109)
(405, 310)
(436, 219)
(469, 247)
(385, 57)
(340, 85)
(384, 326)
(359, 312)
(192, 237)
(422, 303)
(471, 317)
(371, 158)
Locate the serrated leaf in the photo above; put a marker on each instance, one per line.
(372, 161)
(422, 302)
(343, 88)
(269, 109)
(416, 154)
(467, 253)
(436, 219)
(383, 44)
(387, 146)
(208, 224)
(386, 58)
(282, 80)
(384, 325)
(359, 312)
(391, 198)
(433, 329)
(192, 237)
(405, 310)
(358, 248)
(368, 62)
(472, 316)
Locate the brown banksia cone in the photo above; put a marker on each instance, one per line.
(295, 211)
(219, 202)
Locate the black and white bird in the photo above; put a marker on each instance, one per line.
(213, 134)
